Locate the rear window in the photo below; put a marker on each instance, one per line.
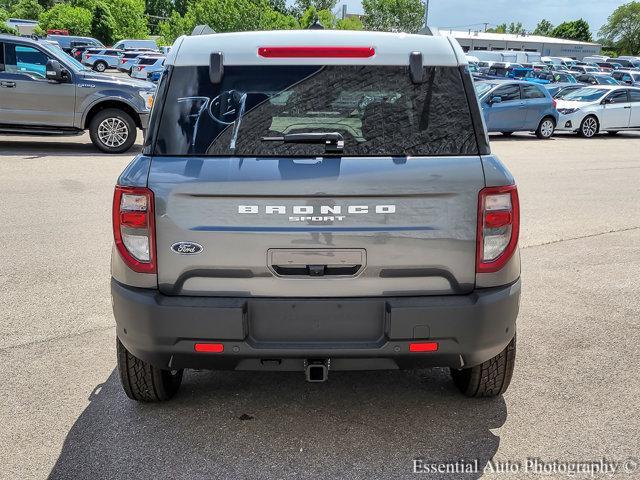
(147, 61)
(377, 110)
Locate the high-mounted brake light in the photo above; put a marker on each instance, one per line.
(316, 52)
(134, 228)
(498, 227)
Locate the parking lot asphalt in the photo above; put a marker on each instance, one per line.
(574, 396)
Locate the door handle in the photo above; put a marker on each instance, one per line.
(628, 106)
(6, 84)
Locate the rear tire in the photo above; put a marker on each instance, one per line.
(546, 128)
(589, 127)
(100, 66)
(120, 123)
(142, 381)
(489, 379)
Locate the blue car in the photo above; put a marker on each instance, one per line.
(513, 106)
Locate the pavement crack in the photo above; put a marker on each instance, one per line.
(53, 339)
(580, 237)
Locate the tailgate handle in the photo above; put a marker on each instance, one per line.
(317, 270)
(316, 262)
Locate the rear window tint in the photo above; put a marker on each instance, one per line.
(531, 91)
(377, 110)
(147, 61)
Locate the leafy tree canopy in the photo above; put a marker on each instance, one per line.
(27, 9)
(623, 28)
(65, 16)
(544, 28)
(574, 30)
(393, 15)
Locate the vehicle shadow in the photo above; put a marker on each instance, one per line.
(39, 148)
(275, 425)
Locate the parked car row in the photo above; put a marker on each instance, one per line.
(509, 106)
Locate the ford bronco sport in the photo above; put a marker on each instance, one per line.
(315, 201)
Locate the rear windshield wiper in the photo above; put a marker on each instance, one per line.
(333, 141)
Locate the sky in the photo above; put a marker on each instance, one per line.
(465, 14)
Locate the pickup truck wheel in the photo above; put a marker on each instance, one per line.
(100, 66)
(144, 382)
(489, 379)
(112, 130)
(545, 128)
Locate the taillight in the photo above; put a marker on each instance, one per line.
(498, 227)
(124, 61)
(555, 103)
(134, 227)
(87, 57)
(316, 52)
(140, 69)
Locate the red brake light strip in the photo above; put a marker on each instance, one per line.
(316, 52)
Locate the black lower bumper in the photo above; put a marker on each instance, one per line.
(282, 333)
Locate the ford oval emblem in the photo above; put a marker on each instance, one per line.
(187, 248)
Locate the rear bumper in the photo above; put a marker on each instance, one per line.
(280, 334)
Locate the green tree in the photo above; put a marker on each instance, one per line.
(502, 28)
(393, 15)
(174, 27)
(4, 28)
(623, 28)
(304, 5)
(311, 15)
(544, 28)
(516, 28)
(574, 30)
(130, 20)
(64, 16)
(103, 25)
(226, 16)
(349, 23)
(27, 9)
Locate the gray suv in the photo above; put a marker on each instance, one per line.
(43, 91)
(315, 201)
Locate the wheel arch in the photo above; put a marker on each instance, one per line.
(104, 104)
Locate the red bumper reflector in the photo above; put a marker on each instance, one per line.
(423, 347)
(498, 218)
(316, 52)
(209, 347)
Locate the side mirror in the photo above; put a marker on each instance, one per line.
(55, 72)
(495, 100)
(605, 101)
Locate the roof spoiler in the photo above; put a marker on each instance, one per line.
(216, 68)
(415, 67)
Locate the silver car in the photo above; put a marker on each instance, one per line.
(315, 201)
(147, 64)
(101, 59)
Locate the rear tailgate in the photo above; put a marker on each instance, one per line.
(332, 227)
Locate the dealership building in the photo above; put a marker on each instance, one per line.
(548, 47)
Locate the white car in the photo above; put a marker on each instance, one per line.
(597, 108)
(146, 65)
